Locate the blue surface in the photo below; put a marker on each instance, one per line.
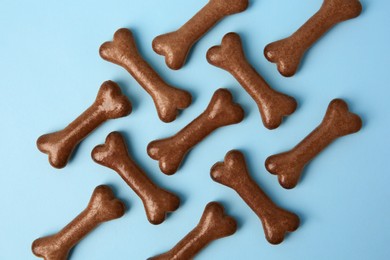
(50, 72)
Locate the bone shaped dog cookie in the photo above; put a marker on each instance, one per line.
(233, 173)
(114, 154)
(338, 122)
(176, 45)
(102, 207)
(123, 52)
(213, 225)
(288, 53)
(110, 103)
(221, 111)
(273, 105)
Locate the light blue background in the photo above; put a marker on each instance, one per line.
(50, 72)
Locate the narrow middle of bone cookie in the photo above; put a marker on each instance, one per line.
(123, 52)
(213, 225)
(287, 53)
(110, 103)
(114, 154)
(234, 174)
(176, 45)
(273, 105)
(102, 207)
(220, 112)
(338, 122)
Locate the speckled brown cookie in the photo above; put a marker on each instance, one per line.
(176, 45)
(110, 103)
(338, 122)
(220, 112)
(273, 105)
(114, 155)
(213, 225)
(123, 52)
(233, 173)
(102, 207)
(288, 53)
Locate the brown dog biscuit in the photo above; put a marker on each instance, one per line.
(213, 225)
(233, 173)
(114, 155)
(273, 105)
(110, 103)
(176, 45)
(288, 53)
(338, 122)
(102, 207)
(123, 52)
(221, 111)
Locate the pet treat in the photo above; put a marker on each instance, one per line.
(233, 173)
(176, 45)
(123, 52)
(102, 207)
(273, 105)
(110, 103)
(213, 225)
(287, 53)
(114, 155)
(221, 111)
(338, 121)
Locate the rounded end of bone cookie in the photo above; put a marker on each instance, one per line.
(287, 63)
(216, 172)
(281, 106)
(355, 9)
(344, 9)
(232, 168)
(169, 161)
(171, 103)
(288, 181)
(167, 167)
(173, 62)
(228, 54)
(120, 48)
(158, 212)
(112, 101)
(222, 108)
(107, 154)
(282, 223)
(172, 48)
(104, 51)
(342, 120)
(46, 248)
(213, 57)
(229, 7)
(287, 185)
(37, 248)
(288, 175)
(104, 203)
(57, 157)
(215, 217)
(285, 70)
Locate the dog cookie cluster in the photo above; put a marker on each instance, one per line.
(170, 152)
